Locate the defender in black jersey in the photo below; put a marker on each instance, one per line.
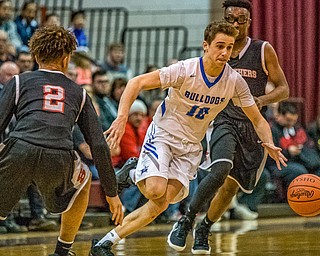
(234, 156)
(39, 150)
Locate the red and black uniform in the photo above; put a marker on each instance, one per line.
(39, 150)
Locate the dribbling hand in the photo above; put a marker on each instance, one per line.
(275, 154)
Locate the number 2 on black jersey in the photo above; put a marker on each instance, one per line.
(53, 98)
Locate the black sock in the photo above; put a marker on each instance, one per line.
(191, 214)
(208, 187)
(206, 222)
(62, 249)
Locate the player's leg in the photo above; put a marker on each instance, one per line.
(142, 216)
(64, 182)
(71, 220)
(222, 153)
(219, 204)
(244, 173)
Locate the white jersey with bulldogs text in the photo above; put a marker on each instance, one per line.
(194, 99)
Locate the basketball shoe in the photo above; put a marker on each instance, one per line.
(201, 244)
(101, 250)
(178, 235)
(123, 174)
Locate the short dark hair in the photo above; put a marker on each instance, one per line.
(25, 5)
(286, 107)
(216, 27)
(115, 46)
(238, 3)
(76, 13)
(99, 72)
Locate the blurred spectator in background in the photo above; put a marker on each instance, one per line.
(114, 62)
(7, 71)
(101, 90)
(72, 72)
(5, 55)
(78, 23)
(85, 66)
(8, 25)
(131, 142)
(117, 88)
(313, 130)
(152, 108)
(51, 19)
(26, 22)
(150, 95)
(25, 61)
(292, 138)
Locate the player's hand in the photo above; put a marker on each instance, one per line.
(275, 154)
(116, 209)
(259, 102)
(115, 133)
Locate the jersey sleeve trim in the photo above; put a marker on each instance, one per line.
(17, 89)
(84, 94)
(263, 60)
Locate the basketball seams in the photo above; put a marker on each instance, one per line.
(304, 186)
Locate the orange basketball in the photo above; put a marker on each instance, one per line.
(304, 195)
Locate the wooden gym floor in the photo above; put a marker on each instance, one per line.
(268, 236)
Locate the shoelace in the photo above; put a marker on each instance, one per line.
(105, 248)
(202, 235)
(183, 227)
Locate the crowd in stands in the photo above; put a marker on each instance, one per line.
(105, 79)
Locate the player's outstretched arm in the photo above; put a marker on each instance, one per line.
(264, 132)
(146, 81)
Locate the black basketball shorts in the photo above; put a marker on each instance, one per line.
(58, 174)
(237, 142)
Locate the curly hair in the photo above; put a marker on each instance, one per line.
(50, 43)
(216, 27)
(238, 3)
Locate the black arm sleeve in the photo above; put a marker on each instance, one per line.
(93, 134)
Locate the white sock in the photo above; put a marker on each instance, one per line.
(110, 236)
(60, 240)
(132, 175)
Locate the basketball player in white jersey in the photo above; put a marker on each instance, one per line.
(199, 88)
(234, 158)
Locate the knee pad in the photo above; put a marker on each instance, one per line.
(219, 172)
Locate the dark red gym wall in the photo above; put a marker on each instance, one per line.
(292, 27)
